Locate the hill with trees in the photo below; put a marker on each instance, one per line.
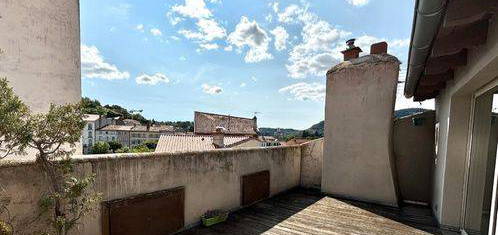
(93, 106)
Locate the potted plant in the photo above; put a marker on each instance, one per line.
(213, 217)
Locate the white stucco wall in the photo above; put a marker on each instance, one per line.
(453, 112)
(358, 160)
(40, 41)
(212, 179)
(311, 164)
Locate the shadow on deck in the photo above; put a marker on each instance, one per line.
(306, 212)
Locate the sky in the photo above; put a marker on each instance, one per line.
(170, 58)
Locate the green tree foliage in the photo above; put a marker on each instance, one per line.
(95, 107)
(123, 150)
(114, 146)
(140, 149)
(101, 148)
(14, 134)
(53, 135)
(151, 144)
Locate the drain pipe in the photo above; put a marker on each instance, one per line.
(427, 18)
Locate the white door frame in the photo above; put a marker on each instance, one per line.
(493, 228)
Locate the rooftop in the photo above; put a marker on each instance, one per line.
(190, 143)
(91, 117)
(162, 128)
(305, 212)
(206, 123)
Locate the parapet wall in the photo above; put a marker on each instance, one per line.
(212, 180)
(311, 164)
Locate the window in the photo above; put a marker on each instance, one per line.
(90, 126)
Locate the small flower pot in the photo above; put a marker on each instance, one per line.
(211, 218)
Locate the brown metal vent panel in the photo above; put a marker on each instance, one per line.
(255, 187)
(154, 213)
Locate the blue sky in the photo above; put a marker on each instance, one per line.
(171, 58)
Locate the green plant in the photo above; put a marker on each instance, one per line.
(151, 144)
(53, 135)
(114, 145)
(140, 149)
(14, 134)
(100, 148)
(123, 150)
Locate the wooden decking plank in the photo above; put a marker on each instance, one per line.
(299, 213)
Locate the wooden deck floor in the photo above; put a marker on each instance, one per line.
(301, 212)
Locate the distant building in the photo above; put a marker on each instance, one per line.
(90, 131)
(193, 143)
(206, 124)
(269, 141)
(88, 135)
(295, 141)
(130, 136)
(216, 131)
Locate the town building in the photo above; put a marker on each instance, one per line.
(206, 124)
(376, 174)
(131, 136)
(193, 143)
(215, 131)
(88, 136)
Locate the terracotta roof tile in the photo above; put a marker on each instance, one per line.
(206, 123)
(191, 143)
(91, 117)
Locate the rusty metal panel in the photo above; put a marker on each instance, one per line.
(255, 187)
(154, 213)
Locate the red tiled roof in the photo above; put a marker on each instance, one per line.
(191, 143)
(206, 123)
(160, 129)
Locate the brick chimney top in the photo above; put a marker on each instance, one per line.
(218, 137)
(352, 52)
(378, 48)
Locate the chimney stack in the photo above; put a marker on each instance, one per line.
(218, 137)
(378, 48)
(352, 52)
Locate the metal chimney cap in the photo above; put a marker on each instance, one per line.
(350, 43)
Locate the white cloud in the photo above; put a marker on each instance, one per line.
(173, 20)
(211, 89)
(243, 84)
(215, 1)
(400, 43)
(175, 38)
(255, 79)
(121, 10)
(152, 79)
(274, 6)
(140, 27)
(250, 34)
(269, 18)
(318, 50)
(228, 48)
(291, 14)
(281, 37)
(182, 58)
(358, 3)
(156, 32)
(193, 9)
(208, 29)
(94, 66)
(305, 91)
(209, 46)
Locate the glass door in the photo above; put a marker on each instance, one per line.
(481, 177)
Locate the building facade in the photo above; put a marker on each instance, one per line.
(454, 59)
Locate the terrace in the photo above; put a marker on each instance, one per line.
(369, 175)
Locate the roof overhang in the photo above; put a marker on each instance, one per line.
(443, 31)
